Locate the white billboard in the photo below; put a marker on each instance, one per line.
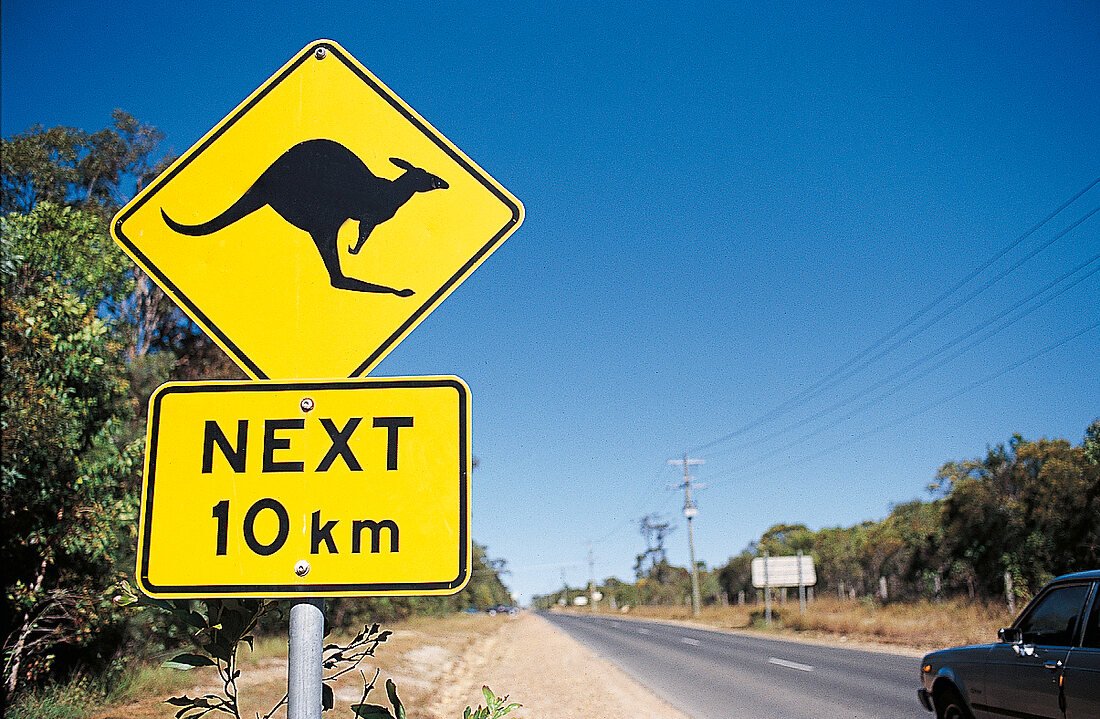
(783, 572)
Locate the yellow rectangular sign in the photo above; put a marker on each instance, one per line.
(289, 489)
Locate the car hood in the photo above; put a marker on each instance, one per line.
(958, 652)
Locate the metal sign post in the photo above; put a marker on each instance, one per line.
(767, 594)
(801, 587)
(307, 635)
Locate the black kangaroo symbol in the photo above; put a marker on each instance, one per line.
(317, 186)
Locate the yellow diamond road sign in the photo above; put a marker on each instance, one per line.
(316, 225)
(353, 487)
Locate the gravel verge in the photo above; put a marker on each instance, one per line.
(549, 673)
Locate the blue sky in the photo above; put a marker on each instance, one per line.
(726, 203)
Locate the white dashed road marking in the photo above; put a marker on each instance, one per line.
(689, 640)
(791, 665)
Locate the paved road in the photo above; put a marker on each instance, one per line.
(715, 675)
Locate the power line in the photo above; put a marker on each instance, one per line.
(954, 395)
(813, 389)
(868, 356)
(928, 324)
(654, 493)
(994, 280)
(927, 357)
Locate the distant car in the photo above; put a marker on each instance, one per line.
(502, 609)
(1047, 664)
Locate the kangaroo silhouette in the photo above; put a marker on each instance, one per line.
(317, 186)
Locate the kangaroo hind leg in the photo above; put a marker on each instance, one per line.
(327, 245)
(365, 228)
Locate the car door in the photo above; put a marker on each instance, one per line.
(994, 697)
(1032, 674)
(1082, 673)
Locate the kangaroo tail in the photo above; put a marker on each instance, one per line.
(249, 203)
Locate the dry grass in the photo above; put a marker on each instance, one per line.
(921, 626)
(924, 625)
(416, 655)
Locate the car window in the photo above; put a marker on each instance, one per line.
(1053, 620)
(1092, 628)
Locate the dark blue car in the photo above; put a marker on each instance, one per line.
(1047, 664)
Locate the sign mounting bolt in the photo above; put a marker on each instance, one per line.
(320, 53)
(306, 404)
(301, 568)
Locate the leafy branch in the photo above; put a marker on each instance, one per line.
(219, 626)
(495, 707)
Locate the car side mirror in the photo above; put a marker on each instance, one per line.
(1015, 637)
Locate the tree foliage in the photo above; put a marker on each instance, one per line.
(97, 172)
(1029, 510)
(94, 171)
(69, 473)
(484, 590)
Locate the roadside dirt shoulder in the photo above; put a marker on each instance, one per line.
(439, 666)
(547, 672)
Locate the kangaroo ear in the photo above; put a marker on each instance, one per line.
(401, 163)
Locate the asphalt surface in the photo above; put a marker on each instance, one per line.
(717, 675)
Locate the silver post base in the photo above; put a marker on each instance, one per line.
(307, 635)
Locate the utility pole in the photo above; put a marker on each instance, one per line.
(690, 510)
